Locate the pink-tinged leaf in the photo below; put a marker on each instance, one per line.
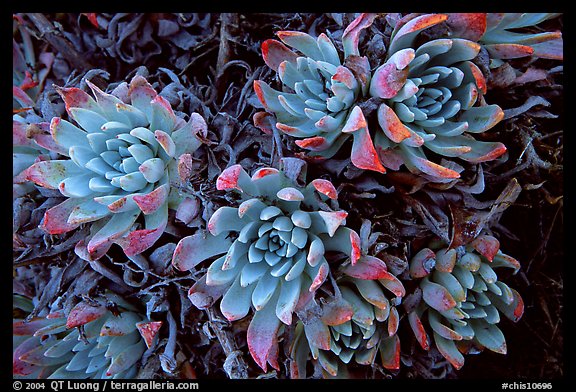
(449, 350)
(316, 143)
(404, 36)
(228, 179)
(188, 209)
(364, 154)
(28, 81)
(484, 152)
(471, 26)
(487, 246)
(150, 202)
(393, 321)
(149, 330)
(262, 334)
(264, 121)
(185, 167)
(509, 51)
(367, 267)
(165, 142)
(477, 76)
(140, 240)
(117, 226)
(504, 260)
(388, 80)
(517, 307)
(196, 248)
(325, 187)
(418, 329)
(303, 42)
(333, 220)
(320, 277)
(346, 241)
(422, 263)
(267, 96)
(56, 218)
(436, 296)
(263, 172)
(351, 35)
(163, 117)
(203, 296)
(336, 311)
(390, 352)
(23, 99)
(423, 165)
(83, 313)
(394, 129)
(49, 174)
(28, 328)
(356, 252)
(275, 52)
(345, 76)
(446, 260)
(553, 49)
(393, 284)
(19, 134)
(48, 142)
(290, 194)
(20, 367)
(75, 98)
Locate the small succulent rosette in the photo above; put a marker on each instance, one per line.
(367, 297)
(92, 342)
(516, 35)
(318, 104)
(432, 96)
(271, 251)
(462, 298)
(119, 162)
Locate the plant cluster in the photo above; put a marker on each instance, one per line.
(402, 100)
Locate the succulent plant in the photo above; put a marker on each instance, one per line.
(462, 298)
(91, 342)
(425, 94)
(432, 96)
(120, 160)
(503, 39)
(371, 327)
(320, 103)
(271, 251)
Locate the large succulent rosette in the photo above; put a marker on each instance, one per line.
(91, 342)
(318, 104)
(271, 251)
(462, 298)
(120, 161)
(432, 99)
(364, 294)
